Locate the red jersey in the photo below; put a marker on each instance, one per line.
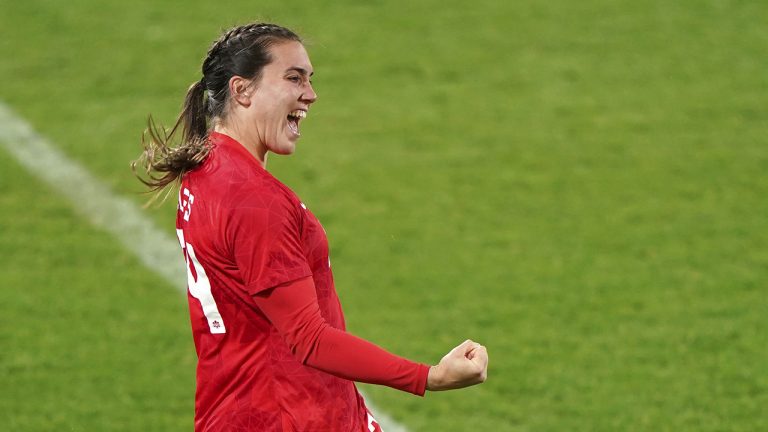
(244, 233)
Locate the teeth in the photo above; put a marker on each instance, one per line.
(298, 113)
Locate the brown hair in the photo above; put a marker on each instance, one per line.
(241, 51)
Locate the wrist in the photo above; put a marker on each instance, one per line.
(433, 378)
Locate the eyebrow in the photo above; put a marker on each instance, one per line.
(300, 70)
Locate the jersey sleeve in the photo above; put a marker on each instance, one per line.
(264, 235)
(294, 311)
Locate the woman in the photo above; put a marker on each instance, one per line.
(273, 354)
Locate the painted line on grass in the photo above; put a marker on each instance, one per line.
(94, 201)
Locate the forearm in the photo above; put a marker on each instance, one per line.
(348, 356)
(294, 311)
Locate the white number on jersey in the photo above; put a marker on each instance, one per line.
(200, 288)
(186, 200)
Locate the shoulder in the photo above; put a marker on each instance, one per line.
(259, 188)
(241, 183)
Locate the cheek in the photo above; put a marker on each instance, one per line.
(266, 106)
(270, 122)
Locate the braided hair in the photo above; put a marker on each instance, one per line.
(241, 51)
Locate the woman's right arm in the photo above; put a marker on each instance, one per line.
(293, 309)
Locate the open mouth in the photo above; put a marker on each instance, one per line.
(294, 117)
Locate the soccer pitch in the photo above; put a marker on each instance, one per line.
(580, 186)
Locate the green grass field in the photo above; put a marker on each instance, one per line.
(580, 186)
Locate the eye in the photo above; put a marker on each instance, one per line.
(294, 79)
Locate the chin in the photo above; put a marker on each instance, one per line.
(284, 149)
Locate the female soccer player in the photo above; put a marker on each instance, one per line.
(273, 353)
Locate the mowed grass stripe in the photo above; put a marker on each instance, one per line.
(91, 340)
(115, 215)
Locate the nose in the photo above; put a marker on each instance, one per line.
(309, 96)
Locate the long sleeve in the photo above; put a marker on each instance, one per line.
(294, 311)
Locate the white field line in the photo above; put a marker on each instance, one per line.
(118, 216)
(92, 199)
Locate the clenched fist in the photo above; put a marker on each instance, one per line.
(466, 365)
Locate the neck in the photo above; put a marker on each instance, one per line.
(242, 136)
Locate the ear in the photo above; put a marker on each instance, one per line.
(239, 90)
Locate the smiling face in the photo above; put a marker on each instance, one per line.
(280, 99)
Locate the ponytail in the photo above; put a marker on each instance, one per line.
(163, 163)
(193, 115)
